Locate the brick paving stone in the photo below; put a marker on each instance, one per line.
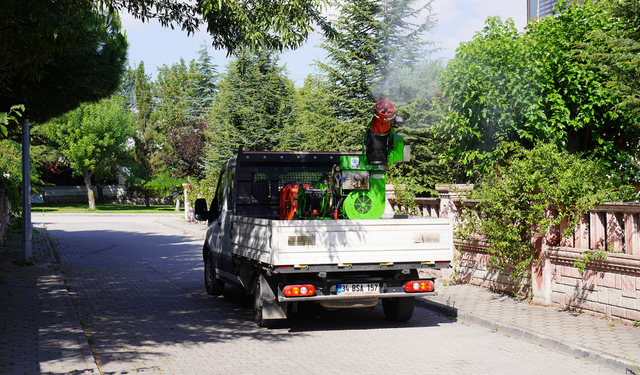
(594, 335)
(136, 285)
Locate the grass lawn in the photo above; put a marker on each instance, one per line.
(101, 208)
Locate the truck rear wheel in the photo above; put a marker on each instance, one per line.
(258, 306)
(215, 286)
(398, 309)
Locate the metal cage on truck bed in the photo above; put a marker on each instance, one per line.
(261, 175)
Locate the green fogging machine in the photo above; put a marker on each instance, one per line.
(355, 188)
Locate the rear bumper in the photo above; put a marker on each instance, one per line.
(317, 298)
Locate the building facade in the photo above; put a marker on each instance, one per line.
(537, 9)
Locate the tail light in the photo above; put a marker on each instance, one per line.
(419, 286)
(299, 290)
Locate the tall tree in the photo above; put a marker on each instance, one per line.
(313, 119)
(252, 108)
(403, 48)
(352, 68)
(617, 51)
(146, 135)
(92, 138)
(505, 87)
(71, 54)
(233, 24)
(183, 95)
(376, 46)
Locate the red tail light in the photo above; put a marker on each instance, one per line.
(299, 290)
(419, 286)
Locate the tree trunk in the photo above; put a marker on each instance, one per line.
(87, 183)
(99, 186)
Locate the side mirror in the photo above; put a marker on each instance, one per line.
(200, 210)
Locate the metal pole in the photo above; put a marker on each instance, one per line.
(26, 193)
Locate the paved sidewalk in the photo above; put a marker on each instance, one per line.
(40, 331)
(595, 339)
(39, 328)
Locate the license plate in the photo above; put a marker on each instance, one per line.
(353, 289)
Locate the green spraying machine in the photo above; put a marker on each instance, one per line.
(355, 188)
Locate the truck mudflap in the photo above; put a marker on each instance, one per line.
(315, 291)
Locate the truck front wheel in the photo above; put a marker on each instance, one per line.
(398, 309)
(215, 286)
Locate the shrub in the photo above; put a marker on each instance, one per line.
(514, 201)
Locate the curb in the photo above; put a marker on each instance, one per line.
(511, 330)
(85, 348)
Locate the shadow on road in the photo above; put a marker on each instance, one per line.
(138, 295)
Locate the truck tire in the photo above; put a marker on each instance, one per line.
(398, 309)
(215, 286)
(257, 306)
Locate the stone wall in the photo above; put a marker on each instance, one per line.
(610, 288)
(112, 194)
(473, 266)
(78, 194)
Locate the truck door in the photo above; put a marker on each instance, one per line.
(223, 226)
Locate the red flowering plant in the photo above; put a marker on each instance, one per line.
(200, 189)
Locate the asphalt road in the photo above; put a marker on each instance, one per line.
(137, 286)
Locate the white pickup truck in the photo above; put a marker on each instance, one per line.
(321, 254)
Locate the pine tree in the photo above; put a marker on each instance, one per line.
(403, 49)
(374, 57)
(146, 136)
(253, 106)
(618, 51)
(352, 69)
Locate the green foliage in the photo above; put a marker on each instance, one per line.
(165, 185)
(185, 92)
(426, 168)
(183, 95)
(616, 51)
(79, 56)
(11, 171)
(8, 117)
(589, 256)
(252, 108)
(403, 49)
(146, 138)
(377, 55)
(93, 138)
(514, 199)
(314, 125)
(30, 30)
(484, 96)
(505, 87)
(92, 135)
(262, 24)
(233, 24)
(352, 69)
(200, 189)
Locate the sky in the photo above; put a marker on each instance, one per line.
(457, 21)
